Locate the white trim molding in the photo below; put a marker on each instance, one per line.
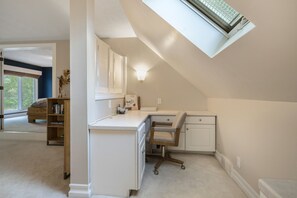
(228, 167)
(79, 191)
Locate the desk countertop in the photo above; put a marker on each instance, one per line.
(133, 119)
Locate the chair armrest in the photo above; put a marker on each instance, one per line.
(161, 124)
(164, 129)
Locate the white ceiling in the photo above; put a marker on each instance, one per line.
(46, 20)
(39, 56)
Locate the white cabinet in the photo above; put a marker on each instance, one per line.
(116, 72)
(111, 72)
(197, 134)
(200, 137)
(102, 66)
(200, 133)
(117, 160)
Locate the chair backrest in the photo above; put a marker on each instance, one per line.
(179, 120)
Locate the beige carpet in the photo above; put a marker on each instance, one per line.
(31, 170)
(202, 178)
(21, 124)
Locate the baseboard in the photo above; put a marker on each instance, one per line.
(225, 162)
(11, 135)
(228, 167)
(79, 191)
(245, 187)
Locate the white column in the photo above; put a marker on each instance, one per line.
(82, 49)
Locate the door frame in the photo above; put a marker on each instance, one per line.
(1, 91)
(54, 69)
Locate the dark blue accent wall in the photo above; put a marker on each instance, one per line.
(44, 81)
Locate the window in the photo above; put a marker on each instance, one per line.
(219, 12)
(19, 93)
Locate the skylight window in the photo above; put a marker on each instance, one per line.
(219, 12)
(211, 25)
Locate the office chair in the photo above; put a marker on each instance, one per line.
(167, 134)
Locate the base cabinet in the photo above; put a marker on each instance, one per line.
(197, 134)
(117, 159)
(200, 137)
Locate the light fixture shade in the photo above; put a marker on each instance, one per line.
(141, 74)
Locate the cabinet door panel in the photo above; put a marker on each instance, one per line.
(102, 66)
(200, 137)
(118, 73)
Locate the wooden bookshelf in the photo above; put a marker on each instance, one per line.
(58, 127)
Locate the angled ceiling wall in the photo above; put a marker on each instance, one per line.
(262, 65)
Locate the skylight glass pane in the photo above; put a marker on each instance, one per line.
(217, 11)
(221, 9)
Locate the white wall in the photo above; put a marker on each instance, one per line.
(161, 81)
(84, 108)
(262, 133)
(63, 62)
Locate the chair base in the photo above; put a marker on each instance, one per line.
(166, 157)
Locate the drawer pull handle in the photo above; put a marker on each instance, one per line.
(200, 119)
(168, 119)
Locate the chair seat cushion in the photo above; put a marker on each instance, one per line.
(163, 136)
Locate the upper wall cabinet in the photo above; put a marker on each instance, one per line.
(111, 72)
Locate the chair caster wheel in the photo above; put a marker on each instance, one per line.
(183, 167)
(156, 172)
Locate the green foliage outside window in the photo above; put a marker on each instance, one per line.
(10, 93)
(28, 92)
(19, 93)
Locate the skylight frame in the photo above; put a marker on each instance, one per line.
(214, 19)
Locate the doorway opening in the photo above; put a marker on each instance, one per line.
(28, 77)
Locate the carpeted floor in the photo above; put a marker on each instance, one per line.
(202, 178)
(21, 124)
(33, 170)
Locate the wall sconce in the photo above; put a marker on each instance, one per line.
(141, 74)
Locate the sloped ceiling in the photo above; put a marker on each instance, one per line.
(262, 65)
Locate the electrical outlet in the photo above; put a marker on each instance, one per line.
(109, 104)
(159, 101)
(238, 161)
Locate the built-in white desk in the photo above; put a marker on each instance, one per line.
(117, 147)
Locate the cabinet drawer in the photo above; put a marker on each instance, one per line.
(141, 162)
(141, 131)
(201, 119)
(163, 118)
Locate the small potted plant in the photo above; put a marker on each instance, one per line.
(63, 80)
